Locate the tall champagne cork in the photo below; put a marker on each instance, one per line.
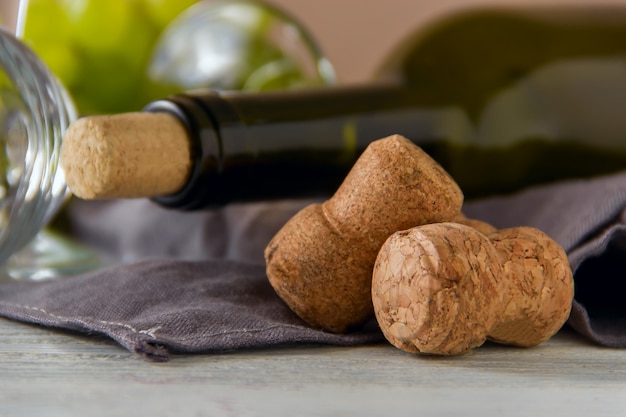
(320, 262)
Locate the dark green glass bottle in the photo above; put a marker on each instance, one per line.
(502, 98)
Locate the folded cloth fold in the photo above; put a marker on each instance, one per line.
(159, 307)
(193, 282)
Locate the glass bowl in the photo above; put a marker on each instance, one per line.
(35, 111)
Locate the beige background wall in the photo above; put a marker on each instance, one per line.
(356, 34)
(8, 9)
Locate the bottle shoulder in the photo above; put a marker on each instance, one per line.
(496, 39)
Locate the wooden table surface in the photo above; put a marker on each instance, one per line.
(45, 372)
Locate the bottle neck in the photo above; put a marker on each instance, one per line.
(250, 146)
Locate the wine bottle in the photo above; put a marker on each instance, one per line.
(501, 98)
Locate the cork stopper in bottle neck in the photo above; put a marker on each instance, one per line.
(129, 155)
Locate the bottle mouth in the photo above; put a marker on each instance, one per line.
(35, 111)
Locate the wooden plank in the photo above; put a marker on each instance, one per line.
(46, 372)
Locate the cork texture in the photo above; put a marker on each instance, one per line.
(445, 288)
(541, 286)
(128, 155)
(320, 263)
(436, 289)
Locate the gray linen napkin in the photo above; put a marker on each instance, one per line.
(160, 307)
(195, 282)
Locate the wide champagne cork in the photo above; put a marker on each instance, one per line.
(129, 155)
(445, 288)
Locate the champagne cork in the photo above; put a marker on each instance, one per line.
(131, 155)
(320, 262)
(445, 288)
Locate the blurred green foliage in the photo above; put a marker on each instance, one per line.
(100, 49)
